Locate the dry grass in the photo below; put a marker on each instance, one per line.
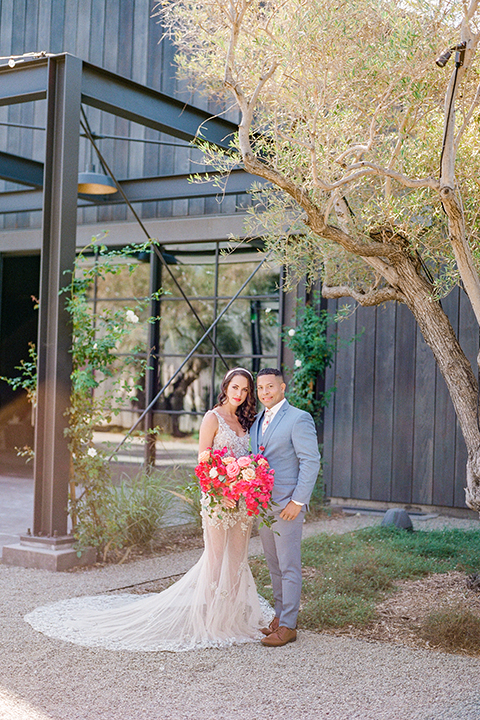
(437, 612)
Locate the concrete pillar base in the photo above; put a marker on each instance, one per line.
(42, 553)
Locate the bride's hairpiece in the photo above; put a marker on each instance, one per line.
(232, 372)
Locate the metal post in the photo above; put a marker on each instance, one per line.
(281, 317)
(153, 358)
(214, 333)
(52, 458)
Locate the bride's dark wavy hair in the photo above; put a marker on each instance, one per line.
(248, 409)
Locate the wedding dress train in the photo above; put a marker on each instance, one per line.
(215, 604)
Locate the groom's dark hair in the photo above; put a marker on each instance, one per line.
(270, 371)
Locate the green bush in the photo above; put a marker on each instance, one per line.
(313, 352)
(189, 493)
(127, 515)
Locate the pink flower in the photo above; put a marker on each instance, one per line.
(250, 477)
(243, 461)
(233, 469)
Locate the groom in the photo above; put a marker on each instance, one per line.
(288, 440)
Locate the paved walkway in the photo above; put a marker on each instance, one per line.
(16, 509)
(318, 677)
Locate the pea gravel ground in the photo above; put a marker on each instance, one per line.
(317, 677)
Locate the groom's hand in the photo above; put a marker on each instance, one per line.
(291, 511)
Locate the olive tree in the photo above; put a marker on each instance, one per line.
(369, 147)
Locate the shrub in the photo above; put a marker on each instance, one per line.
(127, 515)
(452, 628)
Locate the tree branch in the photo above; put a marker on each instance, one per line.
(472, 9)
(371, 249)
(373, 169)
(358, 149)
(461, 249)
(368, 299)
(467, 119)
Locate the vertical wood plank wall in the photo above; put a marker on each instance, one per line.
(121, 36)
(390, 432)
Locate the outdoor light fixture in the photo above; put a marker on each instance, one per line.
(95, 183)
(442, 59)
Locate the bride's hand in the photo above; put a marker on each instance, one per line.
(228, 503)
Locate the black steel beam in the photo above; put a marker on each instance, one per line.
(125, 98)
(152, 368)
(21, 170)
(23, 83)
(172, 187)
(175, 187)
(52, 457)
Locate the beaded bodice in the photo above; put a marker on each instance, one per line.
(226, 437)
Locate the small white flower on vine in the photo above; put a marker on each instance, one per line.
(95, 346)
(131, 317)
(91, 452)
(268, 310)
(291, 332)
(298, 363)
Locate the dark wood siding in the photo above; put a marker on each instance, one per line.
(390, 431)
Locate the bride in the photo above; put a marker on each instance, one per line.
(215, 604)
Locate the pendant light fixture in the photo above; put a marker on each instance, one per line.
(92, 182)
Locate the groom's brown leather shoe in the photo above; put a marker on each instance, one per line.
(280, 637)
(272, 627)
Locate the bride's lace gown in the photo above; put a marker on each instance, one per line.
(215, 604)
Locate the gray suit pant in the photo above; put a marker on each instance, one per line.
(283, 555)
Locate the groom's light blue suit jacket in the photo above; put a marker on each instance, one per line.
(291, 448)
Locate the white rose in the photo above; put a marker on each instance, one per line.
(291, 332)
(91, 452)
(131, 317)
(298, 363)
(213, 473)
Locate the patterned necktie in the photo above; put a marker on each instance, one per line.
(266, 420)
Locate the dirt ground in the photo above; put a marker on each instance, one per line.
(400, 616)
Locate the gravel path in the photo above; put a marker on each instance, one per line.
(317, 677)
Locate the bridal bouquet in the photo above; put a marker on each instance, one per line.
(249, 477)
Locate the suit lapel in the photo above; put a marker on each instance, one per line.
(257, 434)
